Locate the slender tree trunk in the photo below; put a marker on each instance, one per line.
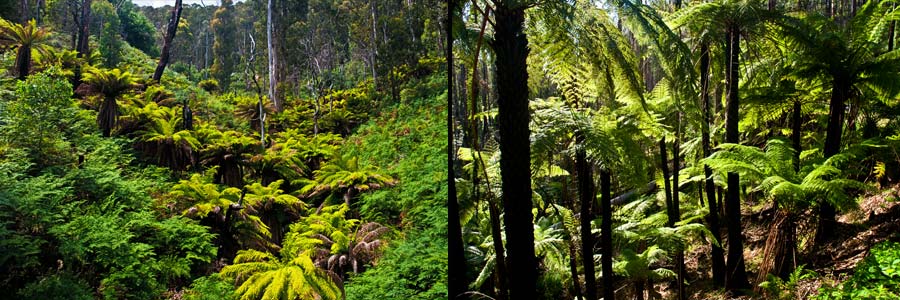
(271, 50)
(606, 244)
(500, 261)
(511, 50)
(676, 210)
(456, 273)
(171, 30)
(717, 254)
(639, 289)
(664, 165)
(26, 13)
(573, 268)
(736, 274)
(586, 199)
(374, 51)
(840, 92)
(84, 32)
(796, 125)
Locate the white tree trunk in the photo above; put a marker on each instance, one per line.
(271, 48)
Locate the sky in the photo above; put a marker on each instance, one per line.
(160, 3)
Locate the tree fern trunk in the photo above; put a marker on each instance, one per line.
(456, 282)
(736, 274)
(573, 268)
(781, 244)
(840, 92)
(717, 253)
(676, 210)
(639, 289)
(23, 61)
(796, 124)
(606, 235)
(106, 119)
(586, 198)
(500, 261)
(511, 50)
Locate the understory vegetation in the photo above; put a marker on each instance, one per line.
(132, 169)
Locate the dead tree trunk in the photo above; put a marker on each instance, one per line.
(171, 29)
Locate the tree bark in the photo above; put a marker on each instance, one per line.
(271, 51)
(781, 244)
(171, 30)
(736, 274)
(586, 198)
(606, 244)
(840, 92)
(456, 273)
(796, 125)
(23, 61)
(676, 210)
(500, 260)
(82, 46)
(717, 254)
(511, 50)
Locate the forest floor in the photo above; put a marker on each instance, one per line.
(876, 220)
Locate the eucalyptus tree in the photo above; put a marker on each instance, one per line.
(852, 61)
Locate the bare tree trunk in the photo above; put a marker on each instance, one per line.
(82, 46)
(606, 244)
(500, 260)
(717, 253)
(676, 209)
(586, 199)
(271, 50)
(171, 30)
(511, 51)
(736, 274)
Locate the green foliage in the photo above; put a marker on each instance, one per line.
(110, 40)
(43, 118)
(780, 289)
(137, 29)
(60, 286)
(772, 172)
(261, 275)
(874, 278)
(212, 287)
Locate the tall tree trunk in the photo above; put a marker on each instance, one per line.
(456, 273)
(511, 50)
(500, 261)
(717, 254)
(736, 274)
(82, 46)
(840, 92)
(171, 29)
(23, 61)
(26, 11)
(573, 268)
(374, 51)
(676, 210)
(586, 199)
(796, 127)
(606, 250)
(664, 165)
(271, 50)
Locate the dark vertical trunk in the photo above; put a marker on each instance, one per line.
(23, 61)
(457, 283)
(664, 165)
(573, 268)
(639, 289)
(717, 254)
(676, 210)
(171, 29)
(606, 245)
(500, 261)
(736, 274)
(511, 50)
(796, 124)
(840, 92)
(109, 112)
(586, 199)
(82, 46)
(26, 13)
